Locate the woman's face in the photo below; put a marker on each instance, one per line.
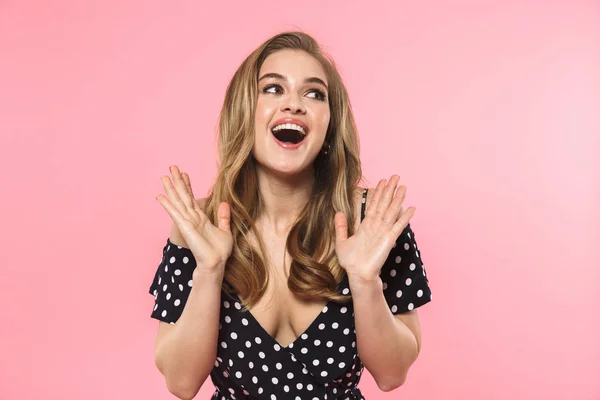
(292, 112)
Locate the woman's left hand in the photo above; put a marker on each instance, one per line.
(363, 254)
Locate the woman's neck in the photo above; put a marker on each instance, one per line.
(283, 198)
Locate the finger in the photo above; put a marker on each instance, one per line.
(403, 221)
(173, 195)
(372, 208)
(224, 217)
(181, 187)
(341, 227)
(188, 184)
(395, 209)
(387, 195)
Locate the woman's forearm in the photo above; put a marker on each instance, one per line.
(186, 352)
(386, 346)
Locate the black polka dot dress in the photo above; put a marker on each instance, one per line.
(322, 363)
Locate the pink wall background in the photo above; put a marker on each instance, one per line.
(488, 110)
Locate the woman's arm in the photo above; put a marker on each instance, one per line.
(387, 345)
(186, 351)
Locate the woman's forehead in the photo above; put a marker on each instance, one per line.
(292, 65)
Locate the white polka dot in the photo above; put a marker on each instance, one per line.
(168, 296)
(254, 380)
(324, 373)
(330, 360)
(237, 305)
(171, 260)
(165, 287)
(224, 345)
(185, 260)
(406, 246)
(172, 280)
(346, 331)
(275, 381)
(257, 340)
(330, 344)
(159, 280)
(251, 365)
(419, 293)
(345, 291)
(385, 285)
(261, 355)
(233, 335)
(181, 287)
(226, 304)
(394, 308)
(155, 307)
(304, 336)
(412, 266)
(177, 272)
(398, 259)
(260, 390)
(227, 319)
(265, 368)
(399, 293)
(393, 272)
(240, 354)
(408, 281)
(277, 347)
(315, 362)
(321, 326)
(248, 344)
(278, 366)
(335, 325)
(299, 385)
(342, 349)
(341, 365)
(411, 306)
(244, 322)
(309, 387)
(177, 302)
(273, 397)
(304, 350)
(325, 309)
(164, 313)
(343, 310)
(290, 375)
(286, 388)
(190, 282)
(317, 342)
(238, 374)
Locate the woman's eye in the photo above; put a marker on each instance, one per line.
(272, 89)
(317, 94)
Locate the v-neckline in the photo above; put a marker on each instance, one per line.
(291, 344)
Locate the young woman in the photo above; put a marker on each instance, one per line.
(289, 278)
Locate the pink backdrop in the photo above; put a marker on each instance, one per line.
(488, 110)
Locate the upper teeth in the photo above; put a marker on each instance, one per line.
(289, 126)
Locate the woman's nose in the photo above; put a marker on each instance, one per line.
(293, 104)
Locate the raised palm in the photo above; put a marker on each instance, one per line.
(211, 245)
(363, 254)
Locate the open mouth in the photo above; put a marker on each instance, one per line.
(289, 133)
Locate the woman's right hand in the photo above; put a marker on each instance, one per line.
(211, 245)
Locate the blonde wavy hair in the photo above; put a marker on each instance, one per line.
(315, 271)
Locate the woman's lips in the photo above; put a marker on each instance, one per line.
(287, 145)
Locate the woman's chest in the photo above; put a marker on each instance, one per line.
(325, 352)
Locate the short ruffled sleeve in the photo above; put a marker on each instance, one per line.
(405, 283)
(172, 282)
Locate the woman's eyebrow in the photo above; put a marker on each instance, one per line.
(275, 75)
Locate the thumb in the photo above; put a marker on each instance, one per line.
(224, 217)
(341, 227)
